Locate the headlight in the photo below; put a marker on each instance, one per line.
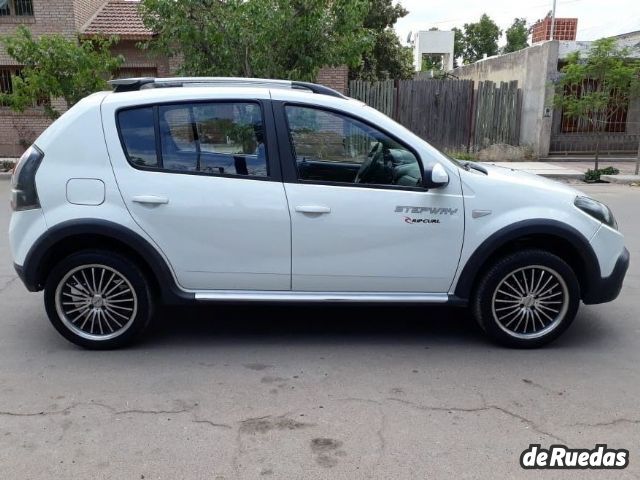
(597, 210)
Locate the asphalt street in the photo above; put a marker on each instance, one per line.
(310, 392)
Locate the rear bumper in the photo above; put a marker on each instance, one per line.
(602, 290)
(20, 271)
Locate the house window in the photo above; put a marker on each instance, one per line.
(5, 80)
(20, 8)
(613, 119)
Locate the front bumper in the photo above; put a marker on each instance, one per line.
(602, 290)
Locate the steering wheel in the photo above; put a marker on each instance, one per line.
(374, 161)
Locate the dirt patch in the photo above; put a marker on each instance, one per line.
(266, 424)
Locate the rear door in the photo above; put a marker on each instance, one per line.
(361, 222)
(202, 179)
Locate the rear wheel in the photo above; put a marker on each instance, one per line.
(527, 299)
(98, 299)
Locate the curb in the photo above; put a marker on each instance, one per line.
(621, 179)
(562, 176)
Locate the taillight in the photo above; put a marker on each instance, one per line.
(23, 182)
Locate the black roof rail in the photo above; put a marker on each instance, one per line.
(135, 84)
(130, 84)
(315, 88)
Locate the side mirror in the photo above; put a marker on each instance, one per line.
(435, 177)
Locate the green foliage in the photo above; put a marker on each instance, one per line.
(289, 39)
(56, 67)
(593, 176)
(592, 88)
(458, 45)
(6, 166)
(595, 87)
(517, 35)
(387, 59)
(480, 38)
(461, 155)
(431, 62)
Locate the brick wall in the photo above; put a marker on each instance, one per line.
(564, 29)
(49, 16)
(334, 77)
(19, 130)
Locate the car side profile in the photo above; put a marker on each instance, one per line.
(194, 190)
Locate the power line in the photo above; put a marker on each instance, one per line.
(518, 9)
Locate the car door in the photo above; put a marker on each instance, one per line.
(361, 221)
(202, 180)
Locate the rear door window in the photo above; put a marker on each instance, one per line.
(218, 138)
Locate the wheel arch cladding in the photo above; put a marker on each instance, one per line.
(550, 235)
(82, 234)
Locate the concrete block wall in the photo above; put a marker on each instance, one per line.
(534, 68)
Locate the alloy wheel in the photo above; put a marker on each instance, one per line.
(530, 302)
(96, 302)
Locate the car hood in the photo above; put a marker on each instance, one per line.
(523, 179)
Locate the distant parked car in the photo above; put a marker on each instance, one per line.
(194, 190)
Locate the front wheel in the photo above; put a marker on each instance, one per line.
(98, 299)
(526, 299)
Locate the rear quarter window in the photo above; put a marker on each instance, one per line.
(137, 129)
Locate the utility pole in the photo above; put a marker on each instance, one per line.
(638, 159)
(553, 19)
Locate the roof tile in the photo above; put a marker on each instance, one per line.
(120, 18)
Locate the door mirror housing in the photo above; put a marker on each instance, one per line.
(435, 177)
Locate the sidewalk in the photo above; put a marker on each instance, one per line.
(574, 170)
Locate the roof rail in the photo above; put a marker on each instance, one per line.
(135, 84)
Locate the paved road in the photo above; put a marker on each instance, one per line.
(331, 393)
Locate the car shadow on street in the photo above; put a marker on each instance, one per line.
(208, 326)
(304, 324)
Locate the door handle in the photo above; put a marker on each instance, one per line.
(150, 199)
(312, 209)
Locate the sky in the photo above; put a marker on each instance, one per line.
(596, 18)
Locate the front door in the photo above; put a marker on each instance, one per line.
(197, 178)
(361, 222)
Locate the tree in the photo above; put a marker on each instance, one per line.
(458, 45)
(480, 39)
(57, 67)
(289, 39)
(517, 35)
(431, 62)
(596, 87)
(386, 58)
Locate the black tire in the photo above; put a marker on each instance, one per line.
(496, 307)
(127, 309)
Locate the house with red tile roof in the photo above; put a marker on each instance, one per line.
(86, 19)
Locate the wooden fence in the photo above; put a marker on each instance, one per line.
(450, 114)
(437, 110)
(497, 114)
(379, 95)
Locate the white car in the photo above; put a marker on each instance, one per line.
(202, 190)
